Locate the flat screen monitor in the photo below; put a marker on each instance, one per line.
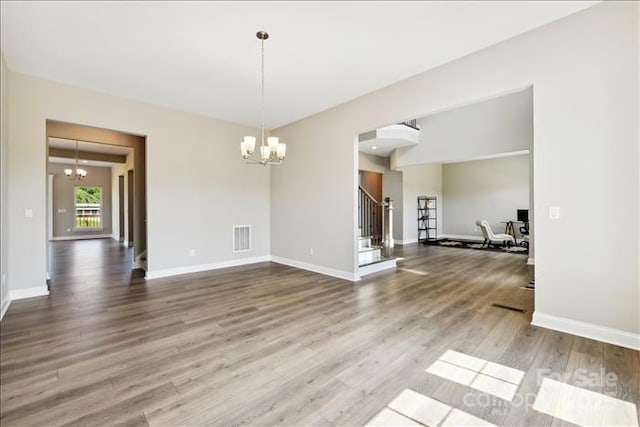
(523, 215)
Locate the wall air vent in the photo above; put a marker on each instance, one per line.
(241, 238)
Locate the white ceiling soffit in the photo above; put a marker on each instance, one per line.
(381, 142)
(203, 57)
(91, 147)
(81, 163)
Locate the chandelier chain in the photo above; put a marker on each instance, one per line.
(77, 174)
(262, 87)
(76, 155)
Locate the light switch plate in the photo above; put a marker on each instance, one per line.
(28, 213)
(554, 212)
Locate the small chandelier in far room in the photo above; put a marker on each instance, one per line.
(79, 174)
(273, 152)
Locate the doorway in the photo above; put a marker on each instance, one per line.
(121, 208)
(130, 208)
(475, 159)
(115, 169)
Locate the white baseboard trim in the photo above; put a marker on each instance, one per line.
(5, 307)
(365, 270)
(115, 237)
(445, 236)
(83, 237)
(204, 267)
(463, 237)
(587, 330)
(405, 242)
(37, 291)
(353, 277)
(531, 261)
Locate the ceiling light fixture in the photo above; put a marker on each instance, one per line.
(79, 173)
(274, 151)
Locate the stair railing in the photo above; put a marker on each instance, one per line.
(369, 217)
(411, 123)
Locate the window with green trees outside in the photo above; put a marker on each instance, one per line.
(88, 202)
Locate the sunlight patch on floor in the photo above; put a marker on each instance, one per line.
(411, 408)
(409, 270)
(560, 400)
(583, 407)
(489, 377)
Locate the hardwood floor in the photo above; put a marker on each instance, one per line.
(267, 344)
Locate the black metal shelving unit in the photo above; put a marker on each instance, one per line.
(427, 219)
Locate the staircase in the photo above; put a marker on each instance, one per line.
(367, 253)
(140, 261)
(373, 255)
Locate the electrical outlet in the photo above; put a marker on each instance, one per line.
(310, 251)
(192, 252)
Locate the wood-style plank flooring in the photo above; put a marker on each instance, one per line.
(267, 344)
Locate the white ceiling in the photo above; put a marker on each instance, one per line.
(203, 57)
(381, 147)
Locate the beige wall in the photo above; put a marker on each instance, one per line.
(117, 171)
(367, 162)
(421, 180)
(585, 91)
(124, 170)
(392, 187)
(193, 166)
(490, 189)
(63, 190)
(115, 206)
(499, 125)
(4, 186)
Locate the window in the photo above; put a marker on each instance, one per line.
(88, 201)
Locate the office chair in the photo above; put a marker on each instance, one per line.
(524, 230)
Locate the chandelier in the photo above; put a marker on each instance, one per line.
(79, 174)
(273, 152)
